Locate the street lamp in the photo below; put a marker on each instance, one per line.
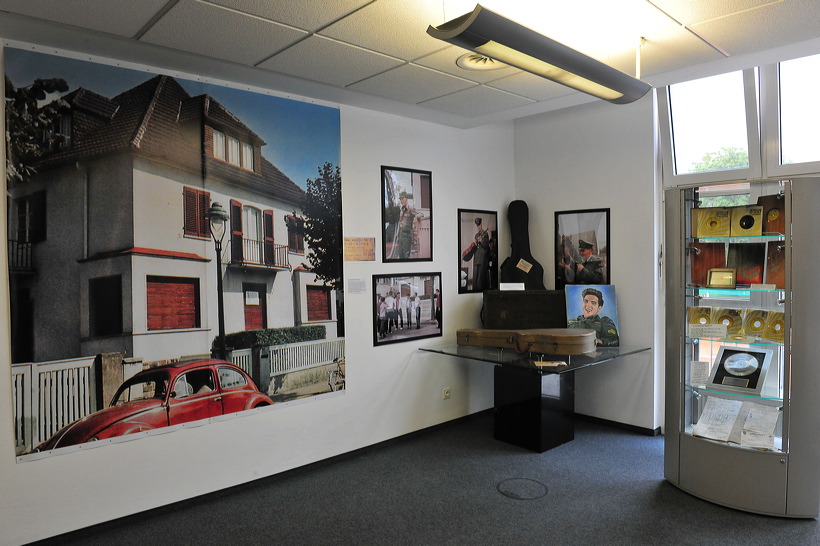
(217, 217)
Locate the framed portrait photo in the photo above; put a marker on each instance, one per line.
(406, 307)
(478, 250)
(582, 247)
(407, 215)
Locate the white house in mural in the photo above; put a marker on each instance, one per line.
(109, 247)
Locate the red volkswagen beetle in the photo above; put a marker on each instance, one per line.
(164, 396)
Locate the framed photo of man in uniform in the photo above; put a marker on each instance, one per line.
(594, 307)
(407, 215)
(478, 251)
(582, 247)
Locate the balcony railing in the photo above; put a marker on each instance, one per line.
(254, 255)
(20, 257)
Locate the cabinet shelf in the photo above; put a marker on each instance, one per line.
(768, 399)
(735, 342)
(736, 239)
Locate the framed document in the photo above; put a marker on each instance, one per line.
(721, 278)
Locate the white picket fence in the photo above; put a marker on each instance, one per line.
(49, 395)
(295, 357)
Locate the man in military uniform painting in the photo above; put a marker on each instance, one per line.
(606, 333)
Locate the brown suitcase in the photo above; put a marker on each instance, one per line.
(553, 341)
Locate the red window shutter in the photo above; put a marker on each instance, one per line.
(196, 203)
(318, 303)
(236, 231)
(267, 225)
(173, 303)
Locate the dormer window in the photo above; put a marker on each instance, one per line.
(232, 150)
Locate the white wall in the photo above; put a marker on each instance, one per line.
(392, 390)
(600, 155)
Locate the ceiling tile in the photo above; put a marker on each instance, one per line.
(411, 83)
(305, 14)
(120, 18)
(445, 61)
(531, 86)
(393, 27)
(797, 19)
(208, 30)
(477, 101)
(693, 11)
(330, 62)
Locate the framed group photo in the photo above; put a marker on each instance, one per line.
(478, 250)
(407, 215)
(406, 307)
(582, 247)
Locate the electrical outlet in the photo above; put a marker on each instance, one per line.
(445, 394)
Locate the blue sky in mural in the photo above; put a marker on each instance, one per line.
(300, 136)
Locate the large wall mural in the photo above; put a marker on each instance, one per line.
(148, 214)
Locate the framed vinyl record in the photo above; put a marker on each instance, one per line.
(740, 369)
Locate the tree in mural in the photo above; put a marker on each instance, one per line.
(321, 224)
(29, 126)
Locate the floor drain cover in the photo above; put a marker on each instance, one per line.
(522, 489)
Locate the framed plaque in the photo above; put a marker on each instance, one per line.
(740, 369)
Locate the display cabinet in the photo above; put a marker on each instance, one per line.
(742, 377)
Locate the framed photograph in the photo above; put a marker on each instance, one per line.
(406, 307)
(594, 307)
(720, 278)
(478, 250)
(740, 369)
(407, 215)
(582, 247)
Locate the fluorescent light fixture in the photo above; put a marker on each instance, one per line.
(493, 35)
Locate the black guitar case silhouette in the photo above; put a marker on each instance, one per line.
(521, 266)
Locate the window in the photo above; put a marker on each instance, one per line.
(233, 150)
(296, 242)
(709, 124)
(196, 204)
(229, 378)
(105, 306)
(30, 215)
(318, 303)
(219, 145)
(799, 110)
(194, 382)
(173, 303)
(252, 235)
(247, 156)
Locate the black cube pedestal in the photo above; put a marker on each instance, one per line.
(533, 410)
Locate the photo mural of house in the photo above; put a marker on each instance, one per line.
(110, 250)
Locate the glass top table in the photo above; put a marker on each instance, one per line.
(544, 363)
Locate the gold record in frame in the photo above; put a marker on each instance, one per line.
(700, 315)
(775, 327)
(754, 322)
(747, 221)
(730, 317)
(711, 222)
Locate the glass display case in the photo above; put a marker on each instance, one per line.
(737, 429)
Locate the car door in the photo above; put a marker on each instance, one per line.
(194, 396)
(236, 389)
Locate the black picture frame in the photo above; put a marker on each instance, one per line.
(478, 250)
(422, 291)
(581, 228)
(407, 215)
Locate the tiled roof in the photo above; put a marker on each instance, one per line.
(159, 120)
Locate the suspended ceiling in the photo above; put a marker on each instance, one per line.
(377, 54)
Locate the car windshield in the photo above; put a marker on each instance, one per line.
(144, 387)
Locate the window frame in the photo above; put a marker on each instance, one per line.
(771, 143)
(201, 200)
(754, 170)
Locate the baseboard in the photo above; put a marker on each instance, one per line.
(624, 426)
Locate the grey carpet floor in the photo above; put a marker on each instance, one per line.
(455, 484)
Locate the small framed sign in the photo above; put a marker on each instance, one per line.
(721, 278)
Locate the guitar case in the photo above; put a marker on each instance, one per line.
(521, 267)
(552, 341)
